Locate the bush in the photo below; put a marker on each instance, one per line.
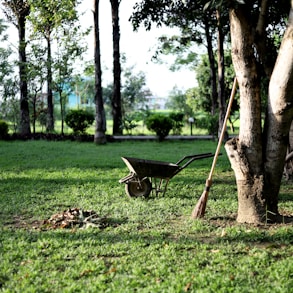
(3, 129)
(208, 122)
(129, 122)
(177, 122)
(160, 124)
(79, 120)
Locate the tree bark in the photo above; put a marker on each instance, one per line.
(221, 76)
(100, 136)
(261, 41)
(50, 104)
(288, 168)
(251, 201)
(258, 158)
(280, 115)
(24, 104)
(116, 100)
(245, 153)
(213, 74)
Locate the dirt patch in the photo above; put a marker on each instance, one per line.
(22, 222)
(67, 219)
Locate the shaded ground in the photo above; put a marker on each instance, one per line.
(90, 138)
(68, 219)
(78, 218)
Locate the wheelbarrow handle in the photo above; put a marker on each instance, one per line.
(191, 159)
(194, 157)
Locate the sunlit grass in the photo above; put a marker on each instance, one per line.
(140, 129)
(149, 245)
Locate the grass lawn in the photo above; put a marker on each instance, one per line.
(143, 245)
(141, 129)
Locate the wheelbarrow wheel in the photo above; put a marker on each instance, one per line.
(139, 189)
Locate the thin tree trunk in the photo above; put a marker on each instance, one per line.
(34, 113)
(221, 76)
(116, 100)
(24, 105)
(260, 40)
(62, 106)
(213, 74)
(100, 130)
(50, 105)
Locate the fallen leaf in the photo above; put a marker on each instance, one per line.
(187, 287)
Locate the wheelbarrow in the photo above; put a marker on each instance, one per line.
(145, 173)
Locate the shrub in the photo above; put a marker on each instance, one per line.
(160, 124)
(209, 122)
(42, 117)
(177, 122)
(213, 125)
(79, 120)
(129, 122)
(3, 129)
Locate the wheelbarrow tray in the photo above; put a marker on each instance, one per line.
(151, 168)
(145, 172)
(158, 169)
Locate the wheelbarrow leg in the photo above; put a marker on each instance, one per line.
(159, 186)
(165, 187)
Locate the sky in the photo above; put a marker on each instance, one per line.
(137, 47)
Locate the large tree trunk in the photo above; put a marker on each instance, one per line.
(258, 162)
(100, 129)
(116, 100)
(280, 114)
(245, 153)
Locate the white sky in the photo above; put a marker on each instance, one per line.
(136, 46)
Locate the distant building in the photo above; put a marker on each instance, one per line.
(75, 101)
(154, 102)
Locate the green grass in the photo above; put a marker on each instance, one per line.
(147, 245)
(141, 129)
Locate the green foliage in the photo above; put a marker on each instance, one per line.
(178, 122)
(147, 245)
(129, 122)
(209, 122)
(134, 90)
(3, 129)
(160, 124)
(177, 102)
(42, 117)
(10, 111)
(79, 120)
(200, 97)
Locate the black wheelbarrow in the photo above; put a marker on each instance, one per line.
(145, 173)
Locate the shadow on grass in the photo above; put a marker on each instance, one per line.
(221, 230)
(285, 197)
(27, 183)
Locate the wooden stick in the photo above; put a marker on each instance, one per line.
(199, 209)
